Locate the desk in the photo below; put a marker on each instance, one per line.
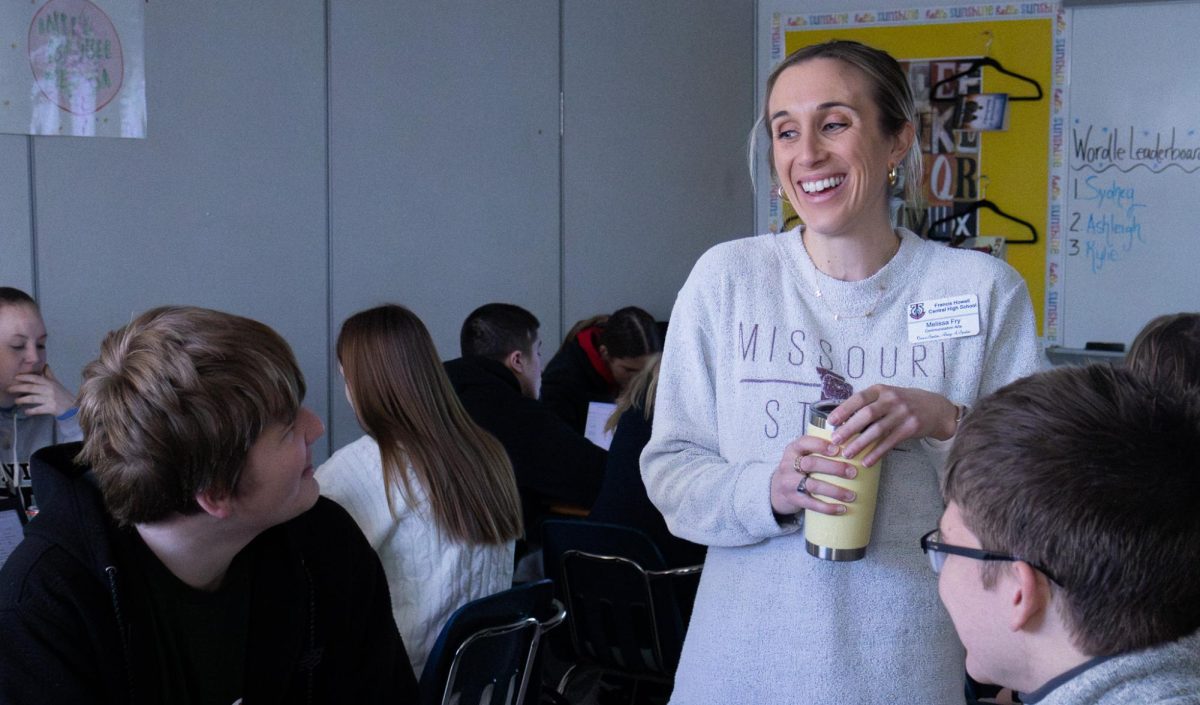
(1081, 356)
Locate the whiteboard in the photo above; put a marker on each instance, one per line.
(1130, 247)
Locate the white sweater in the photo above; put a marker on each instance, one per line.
(773, 624)
(429, 575)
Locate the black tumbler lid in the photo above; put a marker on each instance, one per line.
(818, 413)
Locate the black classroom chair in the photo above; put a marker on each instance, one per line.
(627, 611)
(488, 650)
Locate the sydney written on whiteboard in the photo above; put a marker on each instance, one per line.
(1105, 227)
(1108, 221)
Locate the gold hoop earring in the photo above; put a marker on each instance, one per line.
(782, 196)
(893, 175)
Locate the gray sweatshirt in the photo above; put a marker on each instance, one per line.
(749, 347)
(1167, 674)
(21, 435)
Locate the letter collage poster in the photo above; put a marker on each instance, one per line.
(937, 47)
(73, 68)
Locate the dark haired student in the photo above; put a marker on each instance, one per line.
(598, 358)
(1067, 553)
(1167, 351)
(498, 378)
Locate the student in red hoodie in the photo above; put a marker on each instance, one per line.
(597, 360)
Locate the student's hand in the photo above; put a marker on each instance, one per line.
(793, 472)
(888, 416)
(41, 394)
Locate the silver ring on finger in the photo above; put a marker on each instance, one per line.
(802, 488)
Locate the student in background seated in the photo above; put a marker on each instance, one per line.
(433, 492)
(597, 359)
(194, 561)
(1167, 350)
(497, 379)
(36, 410)
(1067, 552)
(623, 497)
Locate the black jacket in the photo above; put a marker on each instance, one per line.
(552, 463)
(570, 382)
(77, 628)
(623, 499)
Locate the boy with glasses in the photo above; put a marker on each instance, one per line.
(1069, 552)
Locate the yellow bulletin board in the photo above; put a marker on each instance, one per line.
(1011, 167)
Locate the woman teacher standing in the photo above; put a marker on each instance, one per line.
(837, 308)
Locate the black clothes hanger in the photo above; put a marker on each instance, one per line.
(989, 205)
(990, 62)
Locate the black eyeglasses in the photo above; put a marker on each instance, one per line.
(937, 552)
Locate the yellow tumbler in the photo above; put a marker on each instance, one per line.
(841, 537)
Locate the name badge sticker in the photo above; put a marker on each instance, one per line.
(942, 319)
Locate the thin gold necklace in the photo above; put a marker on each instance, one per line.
(838, 315)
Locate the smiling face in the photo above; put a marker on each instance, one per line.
(277, 483)
(830, 152)
(22, 345)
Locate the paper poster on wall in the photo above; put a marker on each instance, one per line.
(73, 68)
(950, 156)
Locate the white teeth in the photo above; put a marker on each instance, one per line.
(821, 184)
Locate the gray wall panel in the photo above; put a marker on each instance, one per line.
(16, 257)
(444, 172)
(223, 205)
(658, 102)
(429, 173)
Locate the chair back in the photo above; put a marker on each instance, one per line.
(625, 609)
(485, 655)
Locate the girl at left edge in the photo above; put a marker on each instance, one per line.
(36, 410)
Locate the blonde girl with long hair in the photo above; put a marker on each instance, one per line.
(432, 491)
(622, 499)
